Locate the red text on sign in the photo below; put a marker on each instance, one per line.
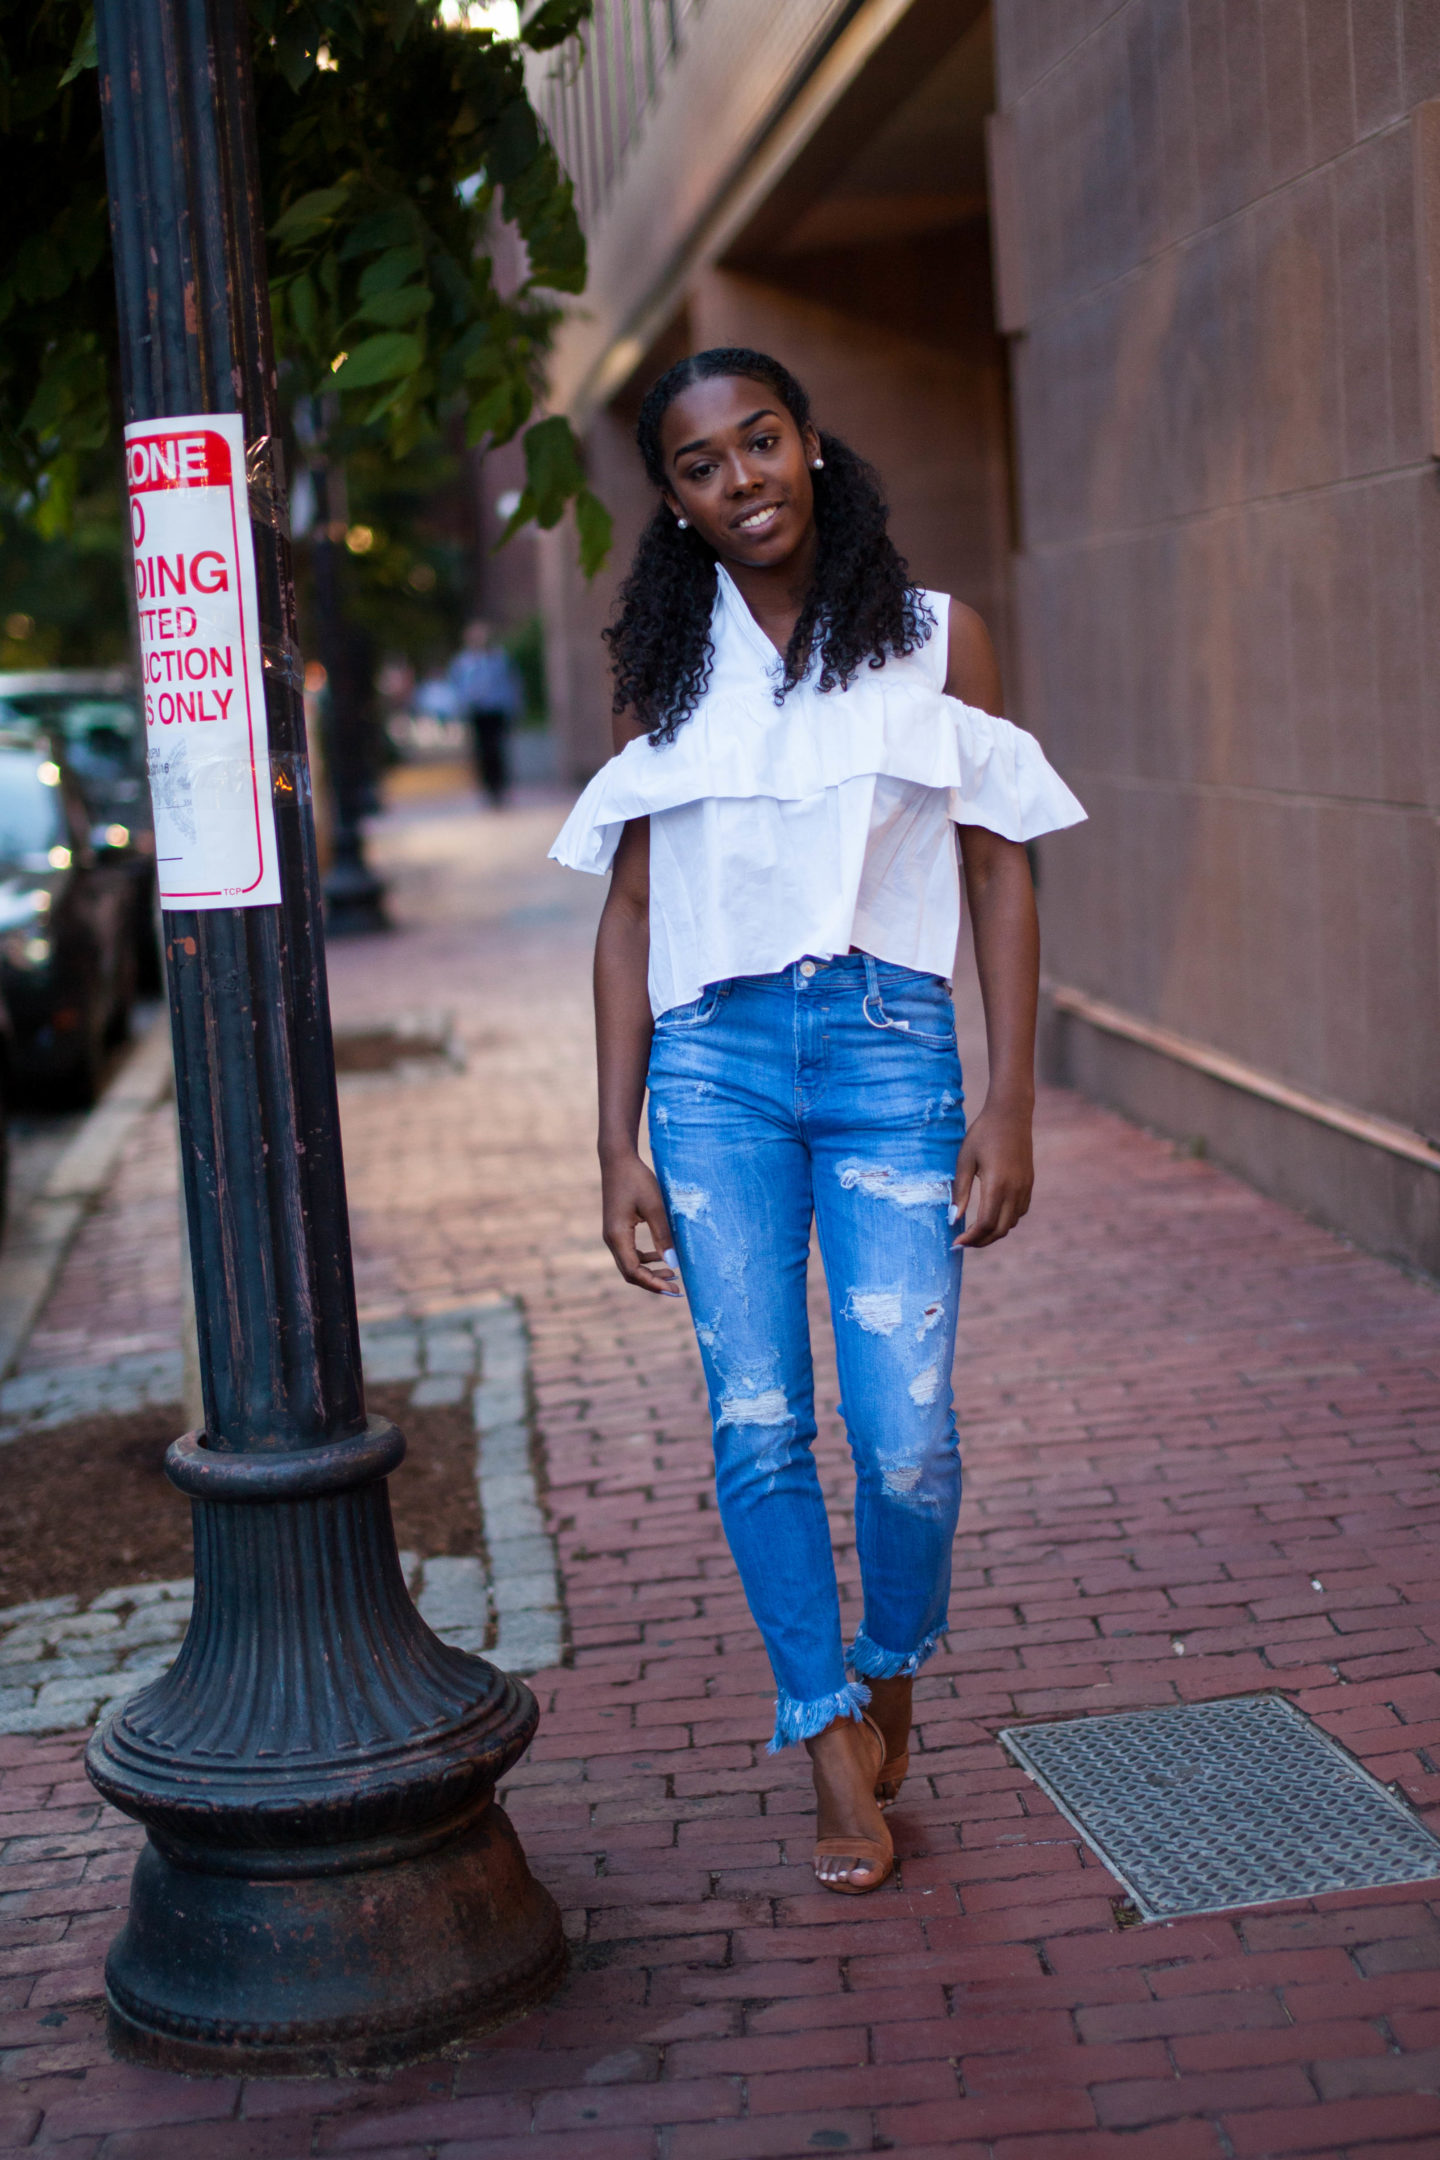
(167, 461)
(156, 576)
(187, 663)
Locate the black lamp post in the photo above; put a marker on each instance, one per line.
(327, 1882)
(354, 896)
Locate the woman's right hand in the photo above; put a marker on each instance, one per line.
(631, 1196)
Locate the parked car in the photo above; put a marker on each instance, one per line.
(96, 714)
(67, 944)
(7, 1081)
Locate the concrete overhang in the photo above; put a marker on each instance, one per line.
(729, 167)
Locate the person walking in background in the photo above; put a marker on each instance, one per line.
(489, 695)
(800, 733)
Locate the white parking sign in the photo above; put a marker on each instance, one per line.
(208, 745)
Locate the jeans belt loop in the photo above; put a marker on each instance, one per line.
(872, 990)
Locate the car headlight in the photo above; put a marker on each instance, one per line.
(22, 950)
(23, 912)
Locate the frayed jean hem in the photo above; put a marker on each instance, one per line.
(868, 1658)
(796, 1721)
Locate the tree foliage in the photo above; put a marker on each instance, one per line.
(390, 139)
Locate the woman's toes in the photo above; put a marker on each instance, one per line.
(833, 1869)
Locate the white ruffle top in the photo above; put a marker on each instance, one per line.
(815, 825)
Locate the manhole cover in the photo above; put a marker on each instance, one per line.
(1242, 1802)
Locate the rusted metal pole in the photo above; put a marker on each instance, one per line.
(327, 1882)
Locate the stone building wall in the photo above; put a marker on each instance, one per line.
(1229, 581)
(1198, 506)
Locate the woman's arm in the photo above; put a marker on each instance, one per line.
(630, 1192)
(997, 1156)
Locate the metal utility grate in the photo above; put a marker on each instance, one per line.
(1241, 1802)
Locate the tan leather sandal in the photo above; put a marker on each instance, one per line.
(893, 1773)
(876, 1852)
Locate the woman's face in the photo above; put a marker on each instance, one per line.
(738, 468)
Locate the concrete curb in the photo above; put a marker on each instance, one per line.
(37, 1241)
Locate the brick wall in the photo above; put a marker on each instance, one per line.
(1229, 590)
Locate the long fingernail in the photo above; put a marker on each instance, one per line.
(672, 1258)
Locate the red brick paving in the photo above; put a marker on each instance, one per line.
(1201, 1440)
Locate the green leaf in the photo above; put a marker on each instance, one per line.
(41, 269)
(500, 413)
(393, 226)
(379, 359)
(395, 308)
(462, 293)
(56, 506)
(553, 471)
(596, 528)
(30, 95)
(304, 304)
(554, 21)
(85, 55)
(539, 200)
(297, 63)
(515, 142)
(395, 267)
(403, 14)
(307, 218)
(522, 514)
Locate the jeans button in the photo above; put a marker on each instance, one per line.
(807, 968)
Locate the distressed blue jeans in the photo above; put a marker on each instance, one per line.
(830, 1091)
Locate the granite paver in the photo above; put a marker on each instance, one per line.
(1192, 1422)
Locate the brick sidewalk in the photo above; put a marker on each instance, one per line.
(1193, 1424)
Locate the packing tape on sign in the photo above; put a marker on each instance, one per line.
(281, 659)
(290, 776)
(265, 485)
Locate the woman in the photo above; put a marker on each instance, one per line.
(798, 727)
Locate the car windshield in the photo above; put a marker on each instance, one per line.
(32, 813)
(102, 732)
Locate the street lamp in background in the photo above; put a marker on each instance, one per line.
(327, 1882)
(354, 896)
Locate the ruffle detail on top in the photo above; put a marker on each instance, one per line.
(739, 745)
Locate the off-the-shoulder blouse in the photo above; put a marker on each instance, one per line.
(814, 825)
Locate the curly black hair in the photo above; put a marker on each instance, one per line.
(861, 607)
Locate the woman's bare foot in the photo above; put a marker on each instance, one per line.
(843, 1761)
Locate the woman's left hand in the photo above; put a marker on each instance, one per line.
(997, 1166)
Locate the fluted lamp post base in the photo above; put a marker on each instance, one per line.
(327, 1883)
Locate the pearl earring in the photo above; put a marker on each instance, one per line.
(816, 463)
(683, 523)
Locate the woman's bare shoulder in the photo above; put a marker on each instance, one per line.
(972, 673)
(625, 728)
